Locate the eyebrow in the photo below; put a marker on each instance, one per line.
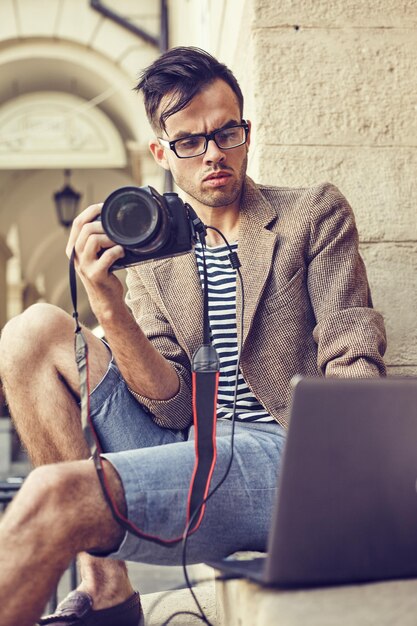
(182, 134)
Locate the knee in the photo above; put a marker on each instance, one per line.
(47, 502)
(31, 334)
(38, 321)
(64, 502)
(39, 517)
(46, 488)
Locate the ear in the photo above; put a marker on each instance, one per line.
(158, 153)
(249, 133)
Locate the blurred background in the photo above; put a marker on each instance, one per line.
(330, 87)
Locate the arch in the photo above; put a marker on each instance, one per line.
(57, 130)
(45, 65)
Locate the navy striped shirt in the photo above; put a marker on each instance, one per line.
(222, 316)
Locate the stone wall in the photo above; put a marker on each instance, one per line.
(337, 100)
(331, 89)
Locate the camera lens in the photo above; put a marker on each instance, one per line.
(131, 217)
(127, 220)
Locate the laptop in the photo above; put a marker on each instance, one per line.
(346, 507)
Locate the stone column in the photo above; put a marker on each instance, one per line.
(5, 254)
(5, 440)
(143, 168)
(31, 295)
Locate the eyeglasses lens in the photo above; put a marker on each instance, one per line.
(195, 145)
(191, 146)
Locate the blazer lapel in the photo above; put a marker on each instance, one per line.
(178, 284)
(256, 248)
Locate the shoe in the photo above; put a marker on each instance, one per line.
(77, 610)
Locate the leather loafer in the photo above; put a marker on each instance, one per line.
(77, 610)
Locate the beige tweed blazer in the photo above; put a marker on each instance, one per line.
(307, 305)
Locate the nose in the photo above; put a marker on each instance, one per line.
(213, 153)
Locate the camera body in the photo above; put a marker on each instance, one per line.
(148, 226)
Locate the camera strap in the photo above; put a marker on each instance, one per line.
(205, 368)
(205, 376)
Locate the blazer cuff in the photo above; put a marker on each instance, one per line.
(176, 412)
(351, 343)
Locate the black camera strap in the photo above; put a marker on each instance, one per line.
(205, 376)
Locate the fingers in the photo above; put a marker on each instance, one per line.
(90, 241)
(98, 272)
(94, 251)
(86, 217)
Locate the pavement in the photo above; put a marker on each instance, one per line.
(163, 593)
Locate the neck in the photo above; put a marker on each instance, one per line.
(225, 219)
(227, 222)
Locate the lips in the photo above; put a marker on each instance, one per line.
(217, 178)
(220, 174)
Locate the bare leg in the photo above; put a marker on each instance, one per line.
(40, 380)
(59, 511)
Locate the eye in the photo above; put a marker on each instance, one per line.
(229, 136)
(189, 143)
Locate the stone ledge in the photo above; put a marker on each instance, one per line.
(241, 603)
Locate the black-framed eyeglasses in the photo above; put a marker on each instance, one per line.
(196, 145)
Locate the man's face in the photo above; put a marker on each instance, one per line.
(215, 178)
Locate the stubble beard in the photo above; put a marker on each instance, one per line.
(216, 197)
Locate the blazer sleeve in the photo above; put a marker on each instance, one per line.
(349, 333)
(176, 412)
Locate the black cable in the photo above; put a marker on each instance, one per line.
(206, 322)
(221, 481)
(163, 595)
(234, 260)
(171, 617)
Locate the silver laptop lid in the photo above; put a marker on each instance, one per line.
(347, 504)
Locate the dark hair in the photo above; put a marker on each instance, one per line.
(181, 72)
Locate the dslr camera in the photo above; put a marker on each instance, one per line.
(149, 226)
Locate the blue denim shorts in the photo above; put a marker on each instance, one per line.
(156, 464)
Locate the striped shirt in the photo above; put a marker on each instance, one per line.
(222, 317)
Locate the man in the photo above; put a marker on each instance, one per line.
(307, 311)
